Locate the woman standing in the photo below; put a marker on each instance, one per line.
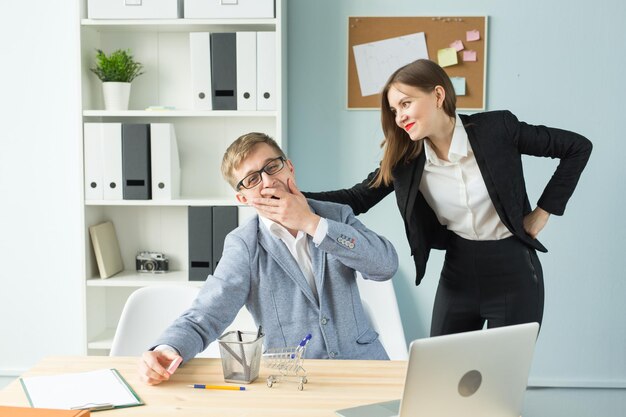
(459, 185)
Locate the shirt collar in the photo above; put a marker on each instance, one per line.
(278, 230)
(458, 146)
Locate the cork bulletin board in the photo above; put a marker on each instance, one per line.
(439, 32)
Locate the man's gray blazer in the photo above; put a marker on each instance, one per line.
(258, 271)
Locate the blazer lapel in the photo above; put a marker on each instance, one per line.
(281, 255)
(483, 166)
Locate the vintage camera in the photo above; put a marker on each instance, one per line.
(152, 262)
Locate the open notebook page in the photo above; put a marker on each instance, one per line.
(80, 390)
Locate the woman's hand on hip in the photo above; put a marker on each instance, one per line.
(535, 221)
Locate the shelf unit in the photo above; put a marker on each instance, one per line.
(177, 113)
(162, 46)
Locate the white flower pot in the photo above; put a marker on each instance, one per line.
(116, 95)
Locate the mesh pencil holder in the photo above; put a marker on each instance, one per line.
(241, 356)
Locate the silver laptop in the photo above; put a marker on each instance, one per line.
(475, 374)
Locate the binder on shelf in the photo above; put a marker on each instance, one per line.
(112, 160)
(200, 232)
(224, 71)
(246, 70)
(225, 220)
(164, 162)
(135, 9)
(237, 9)
(136, 161)
(200, 57)
(92, 149)
(266, 70)
(106, 249)
(103, 161)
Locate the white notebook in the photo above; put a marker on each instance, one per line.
(94, 390)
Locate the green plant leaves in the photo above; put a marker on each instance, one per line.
(119, 66)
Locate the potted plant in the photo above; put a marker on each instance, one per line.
(116, 71)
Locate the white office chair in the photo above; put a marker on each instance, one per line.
(146, 314)
(380, 304)
(150, 310)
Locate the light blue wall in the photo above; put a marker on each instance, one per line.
(558, 63)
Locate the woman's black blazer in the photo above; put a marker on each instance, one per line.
(498, 140)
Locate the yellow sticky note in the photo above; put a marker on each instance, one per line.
(447, 57)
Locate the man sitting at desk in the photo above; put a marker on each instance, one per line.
(293, 267)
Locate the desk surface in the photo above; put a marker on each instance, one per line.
(332, 384)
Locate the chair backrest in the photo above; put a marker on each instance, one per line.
(380, 304)
(146, 314)
(150, 310)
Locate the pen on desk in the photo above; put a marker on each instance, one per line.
(224, 387)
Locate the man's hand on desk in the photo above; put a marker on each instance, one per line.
(153, 366)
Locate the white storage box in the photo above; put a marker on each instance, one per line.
(134, 9)
(213, 9)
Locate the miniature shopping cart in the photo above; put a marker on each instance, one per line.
(288, 362)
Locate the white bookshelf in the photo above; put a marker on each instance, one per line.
(134, 279)
(169, 203)
(180, 113)
(102, 341)
(162, 47)
(178, 25)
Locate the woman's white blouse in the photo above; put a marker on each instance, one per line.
(456, 191)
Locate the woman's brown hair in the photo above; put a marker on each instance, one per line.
(398, 148)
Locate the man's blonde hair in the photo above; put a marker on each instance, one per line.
(240, 149)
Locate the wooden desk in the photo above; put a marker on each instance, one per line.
(332, 384)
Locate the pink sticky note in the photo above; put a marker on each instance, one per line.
(472, 35)
(174, 365)
(458, 45)
(469, 55)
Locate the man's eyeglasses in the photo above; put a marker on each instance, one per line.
(254, 178)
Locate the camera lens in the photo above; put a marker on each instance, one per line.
(150, 266)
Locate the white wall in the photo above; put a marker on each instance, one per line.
(41, 304)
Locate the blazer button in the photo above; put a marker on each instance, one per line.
(324, 320)
(332, 354)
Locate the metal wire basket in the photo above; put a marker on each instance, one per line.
(288, 362)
